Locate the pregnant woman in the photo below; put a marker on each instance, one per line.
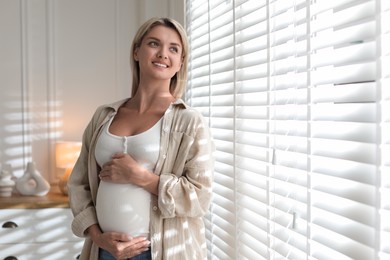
(142, 183)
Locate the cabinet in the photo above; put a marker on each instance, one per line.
(32, 231)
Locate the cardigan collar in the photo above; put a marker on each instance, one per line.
(116, 105)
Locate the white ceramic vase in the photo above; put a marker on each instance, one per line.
(32, 182)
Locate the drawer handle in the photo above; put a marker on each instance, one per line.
(9, 224)
(10, 258)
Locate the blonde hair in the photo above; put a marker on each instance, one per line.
(179, 80)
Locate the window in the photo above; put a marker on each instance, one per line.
(297, 96)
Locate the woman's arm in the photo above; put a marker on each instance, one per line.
(83, 182)
(185, 185)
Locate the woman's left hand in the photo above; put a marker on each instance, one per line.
(124, 169)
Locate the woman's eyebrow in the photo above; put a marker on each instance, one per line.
(152, 38)
(157, 39)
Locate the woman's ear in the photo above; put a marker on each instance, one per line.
(135, 54)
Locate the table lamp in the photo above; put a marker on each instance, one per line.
(66, 156)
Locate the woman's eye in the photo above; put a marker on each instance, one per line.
(153, 44)
(174, 49)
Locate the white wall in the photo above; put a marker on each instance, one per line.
(59, 60)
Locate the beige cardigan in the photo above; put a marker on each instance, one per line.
(186, 174)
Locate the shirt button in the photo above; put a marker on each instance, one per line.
(154, 208)
(164, 156)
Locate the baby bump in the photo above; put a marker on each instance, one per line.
(123, 208)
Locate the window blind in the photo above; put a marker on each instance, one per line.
(343, 130)
(296, 96)
(289, 114)
(384, 129)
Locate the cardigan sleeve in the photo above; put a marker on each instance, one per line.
(79, 189)
(185, 186)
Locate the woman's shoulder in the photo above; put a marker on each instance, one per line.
(186, 111)
(112, 106)
(109, 107)
(102, 111)
(187, 117)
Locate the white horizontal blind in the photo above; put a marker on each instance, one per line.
(221, 83)
(384, 128)
(199, 77)
(251, 137)
(296, 94)
(289, 128)
(238, 113)
(343, 129)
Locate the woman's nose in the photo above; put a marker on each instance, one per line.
(162, 54)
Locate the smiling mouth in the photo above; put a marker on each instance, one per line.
(160, 65)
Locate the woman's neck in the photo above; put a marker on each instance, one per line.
(145, 101)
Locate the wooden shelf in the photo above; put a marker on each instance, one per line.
(54, 199)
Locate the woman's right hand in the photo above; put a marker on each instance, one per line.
(120, 245)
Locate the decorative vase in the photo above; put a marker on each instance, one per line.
(6, 184)
(32, 182)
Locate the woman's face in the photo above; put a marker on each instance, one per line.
(160, 53)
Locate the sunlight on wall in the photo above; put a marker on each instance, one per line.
(27, 129)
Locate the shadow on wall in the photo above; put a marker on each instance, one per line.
(28, 131)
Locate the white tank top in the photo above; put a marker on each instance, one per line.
(125, 208)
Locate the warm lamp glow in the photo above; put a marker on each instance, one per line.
(66, 156)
